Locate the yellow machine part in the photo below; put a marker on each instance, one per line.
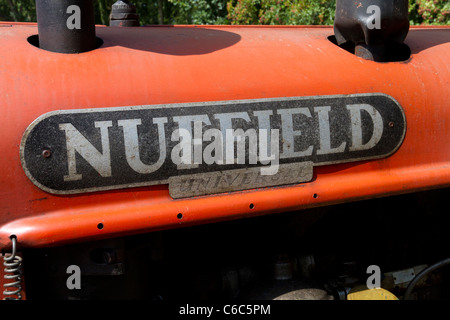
(363, 293)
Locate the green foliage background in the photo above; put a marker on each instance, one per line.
(271, 12)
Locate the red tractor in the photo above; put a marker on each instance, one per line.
(224, 162)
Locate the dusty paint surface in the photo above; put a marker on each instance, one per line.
(166, 65)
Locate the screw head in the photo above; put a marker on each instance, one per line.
(46, 153)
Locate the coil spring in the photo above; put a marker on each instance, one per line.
(13, 272)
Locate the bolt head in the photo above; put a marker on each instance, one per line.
(46, 153)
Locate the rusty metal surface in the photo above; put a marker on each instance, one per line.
(236, 180)
(193, 64)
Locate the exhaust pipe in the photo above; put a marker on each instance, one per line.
(66, 26)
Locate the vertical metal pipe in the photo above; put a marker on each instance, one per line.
(66, 26)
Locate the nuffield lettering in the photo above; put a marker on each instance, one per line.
(197, 142)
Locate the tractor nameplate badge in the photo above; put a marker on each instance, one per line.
(208, 147)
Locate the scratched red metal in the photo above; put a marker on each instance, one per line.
(160, 65)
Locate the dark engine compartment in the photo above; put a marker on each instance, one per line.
(313, 254)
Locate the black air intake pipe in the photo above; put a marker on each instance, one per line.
(377, 28)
